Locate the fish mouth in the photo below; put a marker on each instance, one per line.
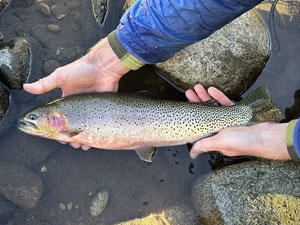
(27, 126)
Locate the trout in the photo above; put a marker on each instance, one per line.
(119, 121)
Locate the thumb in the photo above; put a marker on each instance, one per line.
(204, 145)
(43, 85)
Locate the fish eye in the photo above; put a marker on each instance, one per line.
(33, 116)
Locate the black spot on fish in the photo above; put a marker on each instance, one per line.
(176, 162)
(145, 203)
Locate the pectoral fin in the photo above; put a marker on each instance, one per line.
(146, 153)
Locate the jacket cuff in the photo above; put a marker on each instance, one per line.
(293, 139)
(126, 58)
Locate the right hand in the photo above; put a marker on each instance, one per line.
(98, 71)
(265, 140)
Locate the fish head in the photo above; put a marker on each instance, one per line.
(45, 122)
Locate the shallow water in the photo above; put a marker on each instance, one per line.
(135, 188)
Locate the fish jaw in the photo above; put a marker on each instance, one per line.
(31, 128)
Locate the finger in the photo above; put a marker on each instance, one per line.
(43, 85)
(75, 145)
(192, 96)
(219, 96)
(85, 147)
(62, 142)
(202, 93)
(204, 145)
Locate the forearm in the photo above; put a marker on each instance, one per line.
(153, 30)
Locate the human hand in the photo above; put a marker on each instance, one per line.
(265, 140)
(98, 71)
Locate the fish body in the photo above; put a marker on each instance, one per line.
(127, 121)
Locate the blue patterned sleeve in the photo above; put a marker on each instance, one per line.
(153, 30)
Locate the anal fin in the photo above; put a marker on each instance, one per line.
(146, 153)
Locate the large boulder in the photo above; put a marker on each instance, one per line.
(231, 59)
(14, 63)
(256, 192)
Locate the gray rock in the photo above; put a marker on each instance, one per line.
(6, 208)
(4, 101)
(256, 192)
(50, 65)
(99, 203)
(99, 10)
(43, 8)
(59, 10)
(53, 28)
(231, 59)
(15, 63)
(3, 4)
(19, 185)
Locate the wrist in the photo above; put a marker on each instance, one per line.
(126, 58)
(272, 144)
(106, 60)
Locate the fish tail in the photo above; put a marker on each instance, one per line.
(261, 105)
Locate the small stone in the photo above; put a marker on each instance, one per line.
(44, 8)
(50, 65)
(62, 206)
(69, 205)
(53, 28)
(59, 11)
(44, 169)
(99, 203)
(20, 185)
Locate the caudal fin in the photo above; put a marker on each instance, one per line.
(261, 105)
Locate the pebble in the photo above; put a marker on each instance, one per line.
(69, 205)
(44, 8)
(58, 12)
(99, 203)
(53, 28)
(44, 169)
(61, 206)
